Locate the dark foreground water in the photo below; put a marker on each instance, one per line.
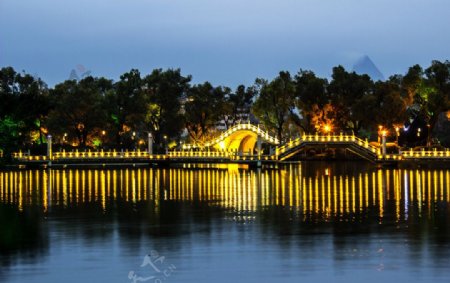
(308, 222)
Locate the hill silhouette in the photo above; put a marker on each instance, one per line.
(366, 66)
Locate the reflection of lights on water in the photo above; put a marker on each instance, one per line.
(406, 178)
(242, 191)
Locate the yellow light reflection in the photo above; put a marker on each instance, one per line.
(238, 189)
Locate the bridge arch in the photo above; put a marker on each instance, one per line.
(241, 138)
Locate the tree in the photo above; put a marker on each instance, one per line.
(411, 83)
(385, 106)
(126, 108)
(428, 93)
(345, 90)
(8, 91)
(312, 101)
(203, 109)
(77, 109)
(275, 102)
(164, 91)
(438, 101)
(24, 106)
(33, 106)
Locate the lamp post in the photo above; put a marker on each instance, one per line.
(150, 144)
(383, 136)
(134, 139)
(165, 144)
(103, 138)
(380, 128)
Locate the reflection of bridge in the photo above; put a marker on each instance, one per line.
(242, 144)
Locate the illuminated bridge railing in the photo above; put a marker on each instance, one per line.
(100, 154)
(244, 127)
(199, 154)
(434, 154)
(21, 157)
(141, 155)
(88, 155)
(218, 155)
(412, 155)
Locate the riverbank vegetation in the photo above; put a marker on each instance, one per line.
(97, 112)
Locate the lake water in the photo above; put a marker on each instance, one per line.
(302, 222)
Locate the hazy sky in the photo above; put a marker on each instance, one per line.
(226, 42)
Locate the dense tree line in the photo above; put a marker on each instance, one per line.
(102, 113)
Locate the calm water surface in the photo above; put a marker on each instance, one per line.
(303, 222)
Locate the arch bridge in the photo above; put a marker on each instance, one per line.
(242, 138)
(351, 143)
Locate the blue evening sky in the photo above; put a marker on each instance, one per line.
(226, 42)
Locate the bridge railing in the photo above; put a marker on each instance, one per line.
(25, 157)
(77, 155)
(88, 155)
(425, 154)
(199, 154)
(211, 155)
(217, 155)
(99, 154)
(250, 127)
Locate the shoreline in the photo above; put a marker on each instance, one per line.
(245, 164)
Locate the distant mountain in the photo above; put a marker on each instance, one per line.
(366, 66)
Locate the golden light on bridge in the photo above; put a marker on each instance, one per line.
(241, 138)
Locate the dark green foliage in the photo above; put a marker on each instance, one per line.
(311, 98)
(203, 109)
(163, 93)
(23, 109)
(275, 102)
(77, 109)
(346, 90)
